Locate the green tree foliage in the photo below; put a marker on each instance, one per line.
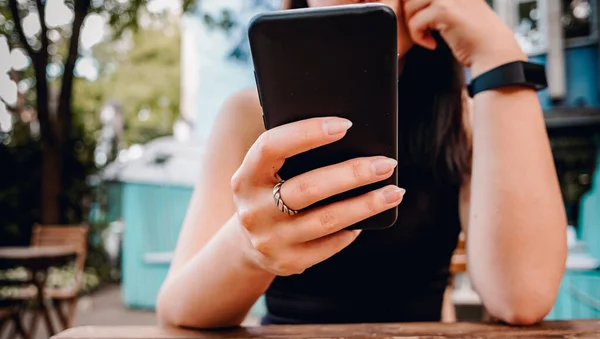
(144, 75)
(57, 48)
(144, 80)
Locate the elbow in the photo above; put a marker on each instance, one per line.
(521, 317)
(522, 308)
(166, 312)
(195, 322)
(173, 312)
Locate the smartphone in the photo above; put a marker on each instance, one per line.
(332, 61)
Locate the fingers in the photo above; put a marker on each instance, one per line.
(424, 16)
(321, 249)
(271, 149)
(411, 7)
(311, 187)
(322, 234)
(332, 218)
(420, 26)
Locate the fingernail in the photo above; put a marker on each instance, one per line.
(384, 166)
(356, 232)
(393, 194)
(336, 126)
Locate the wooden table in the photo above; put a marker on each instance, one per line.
(37, 259)
(567, 329)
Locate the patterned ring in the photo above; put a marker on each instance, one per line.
(279, 202)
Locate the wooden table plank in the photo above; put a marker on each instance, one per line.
(35, 257)
(33, 252)
(561, 329)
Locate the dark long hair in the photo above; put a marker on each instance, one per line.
(432, 134)
(431, 113)
(298, 4)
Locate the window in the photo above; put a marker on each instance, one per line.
(527, 31)
(578, 22)
(577, 18)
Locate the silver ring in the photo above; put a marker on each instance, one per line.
(279, 202)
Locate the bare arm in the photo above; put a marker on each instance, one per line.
(203, 286)
(516, 243)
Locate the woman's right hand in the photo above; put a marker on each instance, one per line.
(284, 245)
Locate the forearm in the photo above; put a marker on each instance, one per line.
(217, 287)
(516, 234)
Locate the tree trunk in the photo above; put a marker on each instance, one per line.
(59, 129)
(51, 183)
(52, 160)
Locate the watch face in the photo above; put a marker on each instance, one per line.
(535, 74)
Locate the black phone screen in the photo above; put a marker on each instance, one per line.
(332, 61)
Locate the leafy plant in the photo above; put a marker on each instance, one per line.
(47, 160)
(58, 48)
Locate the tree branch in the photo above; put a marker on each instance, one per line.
(40, 62)
(44, 28)
(19, 26)
(15, 109)
(81, 9)
(10, 108)
(51, 126)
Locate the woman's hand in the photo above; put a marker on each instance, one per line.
(286, 245)
(477, 36)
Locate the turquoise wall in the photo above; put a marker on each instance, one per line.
(153, 216)
(582, 71)
(590, 213)
(579, 297)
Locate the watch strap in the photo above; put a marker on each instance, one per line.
(517, 73)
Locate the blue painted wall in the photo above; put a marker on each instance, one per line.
(153, 216)
(582, 77)
(590, 218)
(579, 297)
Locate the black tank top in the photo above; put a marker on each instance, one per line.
(393, 275)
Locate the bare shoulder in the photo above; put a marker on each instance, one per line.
(246, 98)
(241, 117)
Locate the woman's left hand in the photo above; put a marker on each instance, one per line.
(477, 36)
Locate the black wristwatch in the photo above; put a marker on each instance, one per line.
(517, 73)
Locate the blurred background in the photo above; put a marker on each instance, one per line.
(105, 106)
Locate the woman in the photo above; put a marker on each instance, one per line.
(487, 170)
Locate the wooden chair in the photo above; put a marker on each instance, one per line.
(64, 299)
(10, 311)
(458, 264)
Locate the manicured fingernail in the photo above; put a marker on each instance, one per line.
(384, 166)
(336, 126)
(356, 232)
(393, 194)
